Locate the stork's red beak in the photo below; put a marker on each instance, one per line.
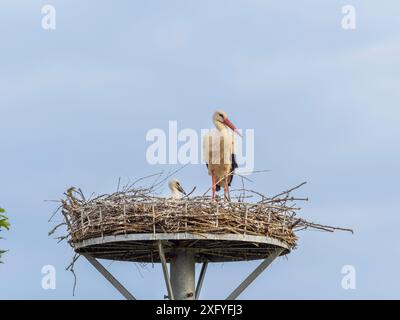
(232, 126)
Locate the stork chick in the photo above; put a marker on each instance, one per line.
(177, 191)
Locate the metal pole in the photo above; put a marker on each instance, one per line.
(182, 267)
(106, 274)
(201, 279)
(246, 282)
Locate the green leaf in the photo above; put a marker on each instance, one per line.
(4, 222)
(2, 210)
(1, 253)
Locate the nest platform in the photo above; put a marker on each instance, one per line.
(143, 247)
(127, 225)
(128, 228)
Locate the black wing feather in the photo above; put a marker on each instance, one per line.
(233, 167)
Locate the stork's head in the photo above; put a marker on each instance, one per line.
(221, 121)
(175, 186)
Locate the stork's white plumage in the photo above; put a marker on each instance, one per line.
(176, 189)
(219, 153)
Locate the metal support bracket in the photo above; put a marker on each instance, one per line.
(201, 280)
(250, 278)
(165, 271)
(109, 277)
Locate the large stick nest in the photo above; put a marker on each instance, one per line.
(137, 210)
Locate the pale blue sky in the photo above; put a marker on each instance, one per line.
(76, 103)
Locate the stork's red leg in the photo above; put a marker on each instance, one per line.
(214, 186)
(226, 191)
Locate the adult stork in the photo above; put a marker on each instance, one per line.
(219, 153)
(176, 189)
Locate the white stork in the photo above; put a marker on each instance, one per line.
(219, 153)
(176, 189)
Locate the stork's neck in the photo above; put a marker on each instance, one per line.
(219, 125)
(175, 194)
